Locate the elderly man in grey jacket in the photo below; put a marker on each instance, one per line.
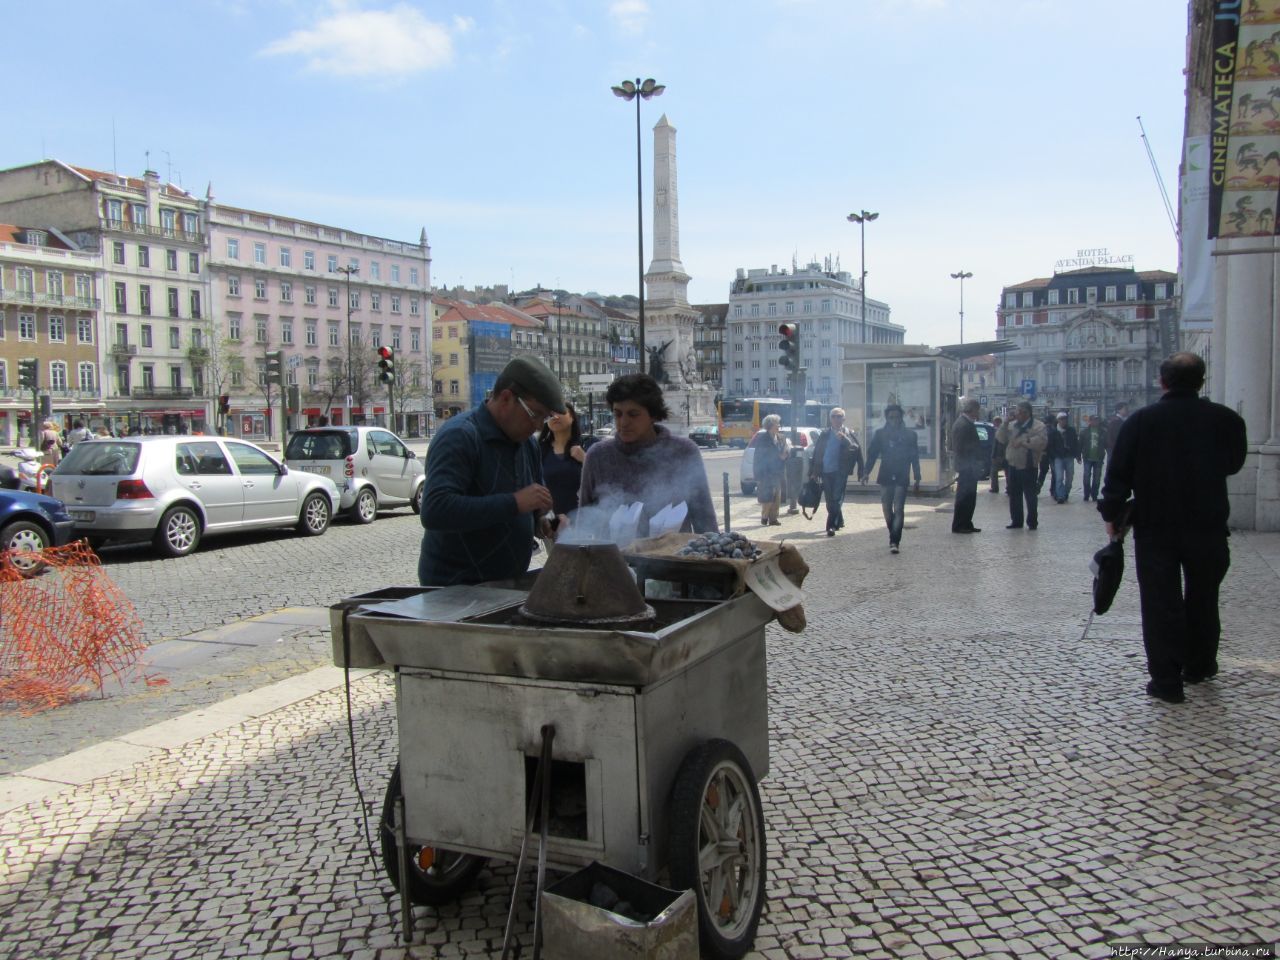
(1024, 438)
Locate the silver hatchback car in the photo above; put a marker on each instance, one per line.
(174, 490)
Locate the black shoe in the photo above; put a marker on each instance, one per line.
(1192, 676)
(1167, 694)
(967, 530)
(830, 532)
(1013, 526)
(893, 548)
(1032, 526)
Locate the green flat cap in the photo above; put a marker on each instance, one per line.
(535, 380)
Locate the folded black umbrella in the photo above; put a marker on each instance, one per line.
(1108, 571)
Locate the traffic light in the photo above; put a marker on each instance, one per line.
(790, 346)
(275, 367)
(387, 365)
(29, 373)
(224, 404)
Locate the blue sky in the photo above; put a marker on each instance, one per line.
(992, 136)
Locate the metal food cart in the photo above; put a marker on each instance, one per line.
(660, 737)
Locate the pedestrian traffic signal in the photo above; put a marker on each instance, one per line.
(275, 367)
(29, 373)
(387, 365)
(790, 346)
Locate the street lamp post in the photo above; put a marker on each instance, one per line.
(861, 220)
(962, 276)
(637, 91)
(349, 270)
(559, 338)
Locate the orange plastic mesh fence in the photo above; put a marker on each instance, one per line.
(64, 632)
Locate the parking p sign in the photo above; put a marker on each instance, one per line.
(1029, 389)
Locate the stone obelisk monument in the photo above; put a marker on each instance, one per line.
(669, 320)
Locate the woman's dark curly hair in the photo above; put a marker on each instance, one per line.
(545, 436)
(641, 388)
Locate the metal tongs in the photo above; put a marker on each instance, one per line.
(539, 803)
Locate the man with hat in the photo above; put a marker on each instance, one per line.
(484, 496)
(1064, 452)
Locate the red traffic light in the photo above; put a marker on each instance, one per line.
(789, 330)
(384, 353)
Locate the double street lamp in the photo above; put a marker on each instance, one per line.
(962, 276)
(861, 220)
(349, 271)
(637, 91)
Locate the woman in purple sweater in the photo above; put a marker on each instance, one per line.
(645, 461)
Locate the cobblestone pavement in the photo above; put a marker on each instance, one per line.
(955, 772)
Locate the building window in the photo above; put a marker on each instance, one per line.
(333, 335)
(415, 341)
(260, 253)
(286, 257)
(413, 306)
(395, 338)
(1073, 295)
(309, 294)
(453, 359)
(144, 299)
(233, 327)
(233, 248)
(395, 273)
(333, 296)
(1053, 298)
(313, 375)
(260, 334)
(1131, 291)
(375, 270)
(286, 291)
(333, 263)
(375, 301)
(171, 259)
(86, 375)
(286, 332)
(190, 224)
(437, 333)
(353, 300)
(395, 303)
(138, 212)
(195, 304)
(173, 301)
(84, 288)
(168, 222)
(175, 378)
(375, 337)
(413, 276)
(146, 335)
(313, 336)
(144, 256)
(259, 289)
(354, 265)
(122, 334)
(84, 330)
(193, 262)
(117, 252)
(26, 326)
(1091, 294)
(308, 259)
(1028, 298)
(237, 377)
(233, 286)
(1161, 291)
(115, 212)
(453, 388)
(58, 375)
(1110, 294)
(737, 309)
(175, 338)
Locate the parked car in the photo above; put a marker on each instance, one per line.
(175, 490)
(808, 436)
(705, 436)
(29, 522)
(371, 466)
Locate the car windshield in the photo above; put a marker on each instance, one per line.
(100, 458)
(320, 445)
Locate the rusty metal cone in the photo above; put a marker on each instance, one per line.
(586, 584)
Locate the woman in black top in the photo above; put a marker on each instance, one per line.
(562, 456)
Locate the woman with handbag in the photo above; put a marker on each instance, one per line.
(836, 454)
(771, 452)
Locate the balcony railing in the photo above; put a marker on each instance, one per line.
(162, 393)
(49, 299)
(124, 349)
(164, 233)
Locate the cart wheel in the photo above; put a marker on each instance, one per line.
(436, 876)
(716, 845)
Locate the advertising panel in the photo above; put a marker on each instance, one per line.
(911, 385)
(490, 346)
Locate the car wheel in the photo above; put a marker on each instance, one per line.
(21, 543)
(365, 509)
(178, 533)
(748, 488)
(415, 503)
(315, 516)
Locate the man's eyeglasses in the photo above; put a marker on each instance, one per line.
(533, 416)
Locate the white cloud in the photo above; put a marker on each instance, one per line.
(630, 15)
(372, 43)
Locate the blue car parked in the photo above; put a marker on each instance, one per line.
(30, 522)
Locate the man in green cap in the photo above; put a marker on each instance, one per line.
(484, 496)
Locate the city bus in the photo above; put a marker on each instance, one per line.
(740, 419)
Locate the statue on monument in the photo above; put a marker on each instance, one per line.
(658, 366)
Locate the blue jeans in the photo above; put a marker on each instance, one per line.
(833, 485)
(893, 499)
(1064, 471)
(1092, 478)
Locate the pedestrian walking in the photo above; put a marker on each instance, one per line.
(1173, 458)
(836, 454)
(1046, 462)
(1093, 450)
(967, 448)
(78, 432)
(1024, 440)
(898, 450)
(1114, 423)
(997, 457)
(50, 444)
(768, 463)
(1063, 453)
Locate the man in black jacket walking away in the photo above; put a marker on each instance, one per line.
(898, 450)
(967, 448)
(1174, 458)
